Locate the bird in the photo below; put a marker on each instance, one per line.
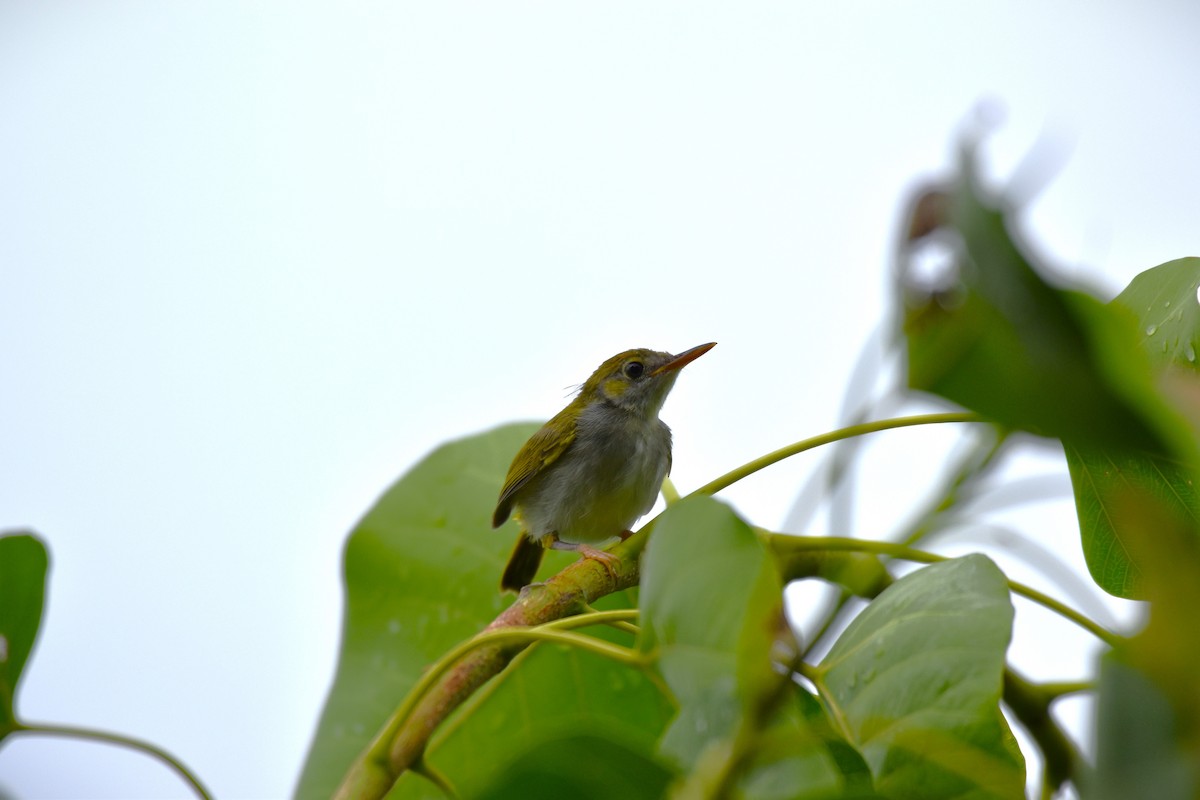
(596, 467)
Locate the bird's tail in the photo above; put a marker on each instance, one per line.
(522, 564)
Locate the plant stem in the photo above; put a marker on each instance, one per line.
(669, 492)
(431, 774)
(108, 737)
(751, 467)
(619, 619)
(971, 466)
(401, 743)
(785, 544)
(591, 616)
(832, 614)
(1055, 690)
(550, 632)
(1030, 703)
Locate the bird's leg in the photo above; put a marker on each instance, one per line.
(623, 535)
(607, 560)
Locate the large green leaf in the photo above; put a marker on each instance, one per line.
(1138, 752)
(915, 682)
(1005, 342)
(713, 645)
(711, 610)
(23, 565)
(1112, 487)
(422, 574)
(1148, 742)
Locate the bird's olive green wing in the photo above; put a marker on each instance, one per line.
(542, 450)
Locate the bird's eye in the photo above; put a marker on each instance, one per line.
(634, 370)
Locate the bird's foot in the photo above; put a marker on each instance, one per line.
(607, 560)
(623, 535)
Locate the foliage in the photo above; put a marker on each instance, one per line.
(698, 686)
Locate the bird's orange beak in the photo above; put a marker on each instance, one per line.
(684, 358)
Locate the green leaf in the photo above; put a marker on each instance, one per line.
(1113, 487)
(1148, 719)
(581, 767)
(1138, 753)
(1164, 301)
(711, 604)
(1009, 344)
(23, 565)
(800, 755)
(1006, 343)
(915, 683)
(713, 644)
(850, 762)
(422, 573)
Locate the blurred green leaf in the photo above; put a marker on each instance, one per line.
(915, 682)
(1007, 343)
(422, 574)
(1149, 698)
(23, 565)
(1137, 749)
(1108, 481)
(1004, 342)
(580, 767)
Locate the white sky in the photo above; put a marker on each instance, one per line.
(255, 261)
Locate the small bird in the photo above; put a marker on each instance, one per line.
(590, 472)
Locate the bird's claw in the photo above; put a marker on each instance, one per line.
(607, 560)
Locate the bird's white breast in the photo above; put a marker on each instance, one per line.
(605, 481)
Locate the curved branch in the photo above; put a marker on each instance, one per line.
(108, 737)
(849, 432)
(787, 545)
(400, 746)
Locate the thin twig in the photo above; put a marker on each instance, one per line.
(785, 544)
(108, 737)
